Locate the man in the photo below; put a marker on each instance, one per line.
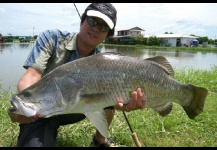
(53, 48)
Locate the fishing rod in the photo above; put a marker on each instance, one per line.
(77, 10)
(134, 136)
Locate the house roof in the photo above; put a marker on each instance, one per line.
(137, 28)
(134, 29)
(171, 36)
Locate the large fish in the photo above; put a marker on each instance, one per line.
(90, 84)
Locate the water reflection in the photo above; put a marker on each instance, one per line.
(4, 47)
(25, 45)
(130, 51)
(178, 58)
(14, 47)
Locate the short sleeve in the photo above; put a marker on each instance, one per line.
(42, 50)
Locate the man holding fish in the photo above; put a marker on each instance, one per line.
(54, 48)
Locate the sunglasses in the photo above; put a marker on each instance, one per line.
(91, 21)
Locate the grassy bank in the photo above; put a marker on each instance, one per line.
(198, 48)
(174, 130)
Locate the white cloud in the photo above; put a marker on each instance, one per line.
(154, 18)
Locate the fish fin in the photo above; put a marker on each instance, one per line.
(114, 53)
(98, 119)
(196, 104)
(163, 62)
(164, 110)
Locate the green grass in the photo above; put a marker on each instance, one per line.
(174, 130)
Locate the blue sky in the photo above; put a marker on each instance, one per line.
(155, 18)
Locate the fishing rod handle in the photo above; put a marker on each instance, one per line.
(136, 140)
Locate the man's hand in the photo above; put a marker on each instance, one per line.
(20, 118)
(136, 102)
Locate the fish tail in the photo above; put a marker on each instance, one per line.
(196, 104)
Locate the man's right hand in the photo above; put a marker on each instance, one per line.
(20, 118)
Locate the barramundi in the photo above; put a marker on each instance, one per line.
(90, 84)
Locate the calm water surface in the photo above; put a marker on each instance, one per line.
(13, 56)
(178, 59)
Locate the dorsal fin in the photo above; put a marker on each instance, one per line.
(162, 61)
(113, 53)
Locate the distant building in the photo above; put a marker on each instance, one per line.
(125, 36)
(24, 39)
(176, 39)
(166, 39)
(135, 31)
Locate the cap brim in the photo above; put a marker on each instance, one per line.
(102, 16)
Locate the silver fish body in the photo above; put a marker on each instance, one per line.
(90, 84)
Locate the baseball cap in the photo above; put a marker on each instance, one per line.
(105, 11)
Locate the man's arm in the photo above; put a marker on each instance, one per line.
(30, 77)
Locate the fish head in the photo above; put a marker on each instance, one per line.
(42, 101)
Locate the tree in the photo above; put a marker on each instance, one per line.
(35, 36)
(168, 32)
(139, 39)
(203, 39)
(153, 41)
(1, 38)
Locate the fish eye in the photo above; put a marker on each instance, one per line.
(27, 94)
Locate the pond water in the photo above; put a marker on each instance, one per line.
(13, 56)
(179, 59)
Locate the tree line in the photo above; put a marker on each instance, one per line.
(140, 39)
(10, 38)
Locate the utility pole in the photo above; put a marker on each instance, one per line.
(33, 32)
(214, 40)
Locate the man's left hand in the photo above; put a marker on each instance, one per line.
(136, 102)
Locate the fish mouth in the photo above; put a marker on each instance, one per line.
(21, 108)
(12, 108)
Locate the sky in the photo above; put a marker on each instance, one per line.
(28, 19)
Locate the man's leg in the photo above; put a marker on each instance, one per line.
(37, 134)
(43, 132)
